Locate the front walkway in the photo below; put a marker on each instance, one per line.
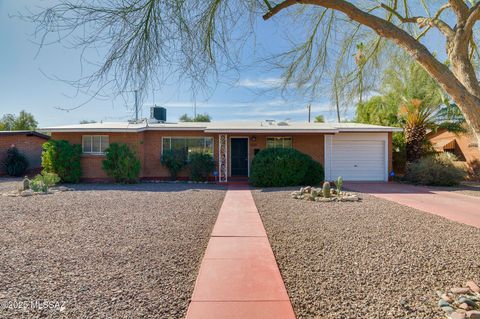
(457, 207)
(239, 277)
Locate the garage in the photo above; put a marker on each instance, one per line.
(357, 157)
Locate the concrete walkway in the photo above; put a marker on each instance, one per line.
(239, 277)
(457, 207)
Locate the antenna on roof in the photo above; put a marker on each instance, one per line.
(136, 106)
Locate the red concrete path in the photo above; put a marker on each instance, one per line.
(457, 207)
(239, 277)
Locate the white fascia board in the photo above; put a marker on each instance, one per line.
(366, 130)
(118, 130)
(259, 131)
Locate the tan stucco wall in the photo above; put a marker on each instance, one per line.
(463, 141)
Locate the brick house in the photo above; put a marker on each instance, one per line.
(355, 151)
(463, 145)
(29, 143)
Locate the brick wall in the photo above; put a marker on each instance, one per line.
(30, 146)
(148, 146)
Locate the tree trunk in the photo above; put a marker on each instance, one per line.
(457, 87)
(414, 137)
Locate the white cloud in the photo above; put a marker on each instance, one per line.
(189, 104)
(287, 109)
(265, 83)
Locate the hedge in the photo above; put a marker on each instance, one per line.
(277, 167)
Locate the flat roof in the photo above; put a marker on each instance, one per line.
(224, 127)
(27, 133)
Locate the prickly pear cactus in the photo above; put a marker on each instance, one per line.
(326, 190)
(339, 184)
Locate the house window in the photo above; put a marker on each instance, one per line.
(94, 144)
(189, 144)
(279, 142)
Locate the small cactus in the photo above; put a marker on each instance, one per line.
(25, 184)
(326, 190)
(339, 184)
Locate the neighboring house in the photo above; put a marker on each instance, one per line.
(29, 143)
(463, 145)
(354, 151)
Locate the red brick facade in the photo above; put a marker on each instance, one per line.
(148, 145)
(29, 144)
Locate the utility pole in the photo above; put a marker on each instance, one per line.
(136, 106)
(309, 107)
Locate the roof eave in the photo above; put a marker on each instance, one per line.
(258, 131)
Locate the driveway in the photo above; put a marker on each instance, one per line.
(454, 206)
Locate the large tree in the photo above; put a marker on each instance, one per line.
(147, 40)
(413, 100)
(24, 121)
(197, 118)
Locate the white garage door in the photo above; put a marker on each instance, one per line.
(358, 160)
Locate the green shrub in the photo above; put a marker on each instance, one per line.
(63, 159)
(439, 170)
(201, 165)
(273, 167)
(474, 170)
(315, 173)
(15, 163)
(43, 181)
(174, 161)
(121, 163)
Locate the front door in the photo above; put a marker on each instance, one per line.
(239, 156)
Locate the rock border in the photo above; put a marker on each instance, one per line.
(316, 194)
(29, 192)
(461, 302)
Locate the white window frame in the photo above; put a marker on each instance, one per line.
(188, 137)
(84, 137)
(283, 141)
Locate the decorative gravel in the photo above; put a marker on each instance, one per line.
(105, 251)
(368, 259)
(9, 183)
(470, 189)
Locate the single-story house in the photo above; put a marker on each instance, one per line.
(29, 143)
(463, 145)
(357, 152)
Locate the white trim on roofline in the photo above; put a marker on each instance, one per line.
(258, 131)
(119, 130)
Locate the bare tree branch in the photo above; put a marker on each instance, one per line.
(460, 9)
(474, 16)
(424, 21)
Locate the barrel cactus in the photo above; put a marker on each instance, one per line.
(326, 190)
(25, 183)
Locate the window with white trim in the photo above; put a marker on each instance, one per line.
(189, 144)
(279, 142)
(94, 144)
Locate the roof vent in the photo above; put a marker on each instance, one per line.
(270, 122)
(282, 123)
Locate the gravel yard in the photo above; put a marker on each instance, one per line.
(467, 188)
(369, 259)
(106, 251)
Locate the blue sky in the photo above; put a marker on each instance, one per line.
(26, 82)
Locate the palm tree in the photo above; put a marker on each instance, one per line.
(422, 104)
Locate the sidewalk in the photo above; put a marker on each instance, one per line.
(239, 277)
